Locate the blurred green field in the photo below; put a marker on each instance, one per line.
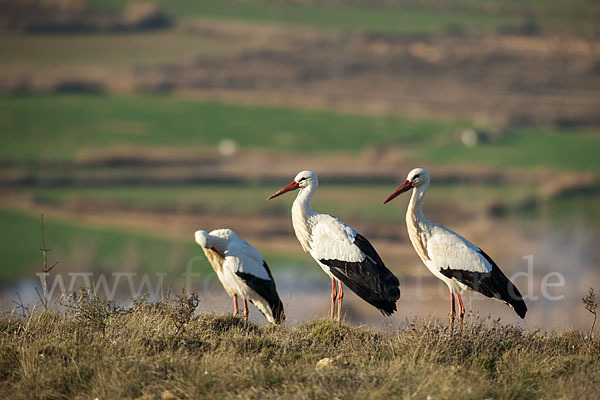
(428, 16)
(566, 150)
(80, 246)
(65, 126)
(350, 201)
(343, 200)
(60, 126)
(85, 246)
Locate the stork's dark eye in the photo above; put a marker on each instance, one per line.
(416, 177)
(302, 179)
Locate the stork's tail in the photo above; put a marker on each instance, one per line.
(278, 312)
(499, 286)
(515, 300)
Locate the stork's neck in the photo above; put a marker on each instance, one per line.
(415, 206)
(215, 250)
(301, 215)
(417, 225)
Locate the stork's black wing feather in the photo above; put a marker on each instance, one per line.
(369, 279)
(267, 290)
(492, 284)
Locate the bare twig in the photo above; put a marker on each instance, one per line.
(21, 306)
(39, 295)
(591, 305)
(45, 268)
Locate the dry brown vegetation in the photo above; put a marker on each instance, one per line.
(494, 77)
(498, 78)
(162, 350)
(72, 16)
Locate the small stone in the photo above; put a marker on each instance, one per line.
(324, 363)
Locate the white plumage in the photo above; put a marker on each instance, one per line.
(242, 272)
(344, 255)
(450, 257)
(449, 249)
(332, 239)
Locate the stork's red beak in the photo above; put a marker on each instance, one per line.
(292, 186)
(406, 186)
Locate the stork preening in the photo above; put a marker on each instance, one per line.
(457, 262)
(344, 254)
(242, 272)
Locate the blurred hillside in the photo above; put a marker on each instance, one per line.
(493, 63)
(131, 124)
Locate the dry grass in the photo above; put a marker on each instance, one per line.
(162, 350)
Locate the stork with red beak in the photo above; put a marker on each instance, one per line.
(453, 259)
(344, 254)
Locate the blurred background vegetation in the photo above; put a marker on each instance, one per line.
(131, 124)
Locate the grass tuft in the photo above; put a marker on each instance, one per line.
(161, 350)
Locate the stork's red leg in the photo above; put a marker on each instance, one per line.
(461, 310)
(333, 295)
(452, 312)
(235, 305)
(245, 310)
(339, 299)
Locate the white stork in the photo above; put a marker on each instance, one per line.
(450, 257)
(242, 271)
(344, 254)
